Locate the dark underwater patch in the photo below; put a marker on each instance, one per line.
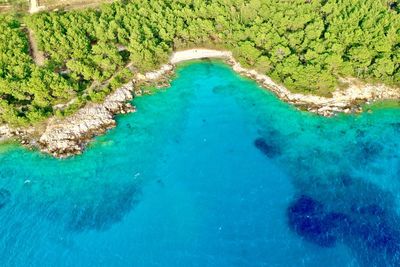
(396, 126)
(364, 218)
(160, 183)
(308, 219)
(367, 151)
(270, 149)
(372, 209)
(225, 88)
(102, 214)
(346, 180)
(219, 89)
(360, 133)
(5, 197)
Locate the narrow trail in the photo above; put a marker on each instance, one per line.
(37, 55)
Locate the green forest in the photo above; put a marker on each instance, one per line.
(304, 44)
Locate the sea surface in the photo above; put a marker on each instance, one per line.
(213, 171)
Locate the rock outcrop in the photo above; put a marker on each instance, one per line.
(64, 137)
(69, 136)
(5, 132)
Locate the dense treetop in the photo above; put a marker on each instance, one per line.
(304, 44)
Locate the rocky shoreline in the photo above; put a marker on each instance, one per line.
(347, 101)
(65, 137)
(69, 136)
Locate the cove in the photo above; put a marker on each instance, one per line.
(213, 171)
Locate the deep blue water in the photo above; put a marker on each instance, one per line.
(213, 171)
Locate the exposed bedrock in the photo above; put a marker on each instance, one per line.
(69, 136)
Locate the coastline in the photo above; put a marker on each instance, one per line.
(69, 136)
(349, 100)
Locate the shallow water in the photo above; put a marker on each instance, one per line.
(214, 171)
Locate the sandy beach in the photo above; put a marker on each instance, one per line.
(192, 54)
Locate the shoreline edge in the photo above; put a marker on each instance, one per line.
(69, 136)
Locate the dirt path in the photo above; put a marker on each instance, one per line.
(37, 55)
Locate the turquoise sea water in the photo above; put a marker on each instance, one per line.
(213, 171)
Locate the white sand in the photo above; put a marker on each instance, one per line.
(200, 53)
